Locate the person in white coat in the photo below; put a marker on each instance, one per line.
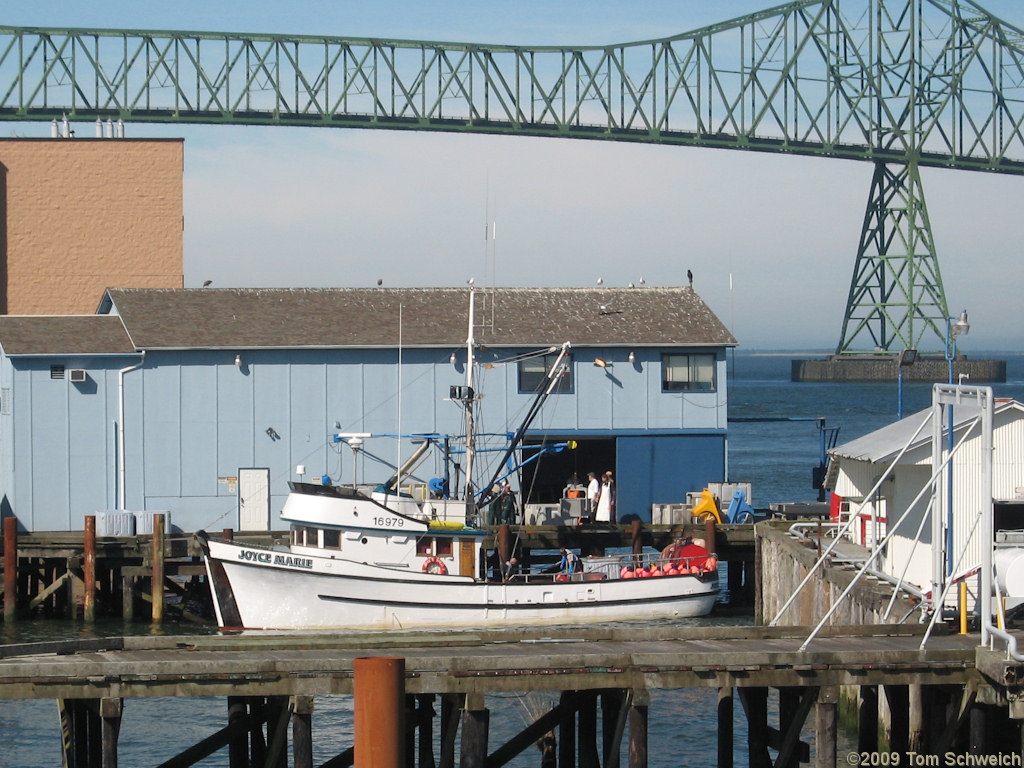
(593, 489)
(606, 500)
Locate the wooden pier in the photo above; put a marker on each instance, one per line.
(940, 702)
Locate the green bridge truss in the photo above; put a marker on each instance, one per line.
(902, 84)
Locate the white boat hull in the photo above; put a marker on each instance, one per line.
(256, 588)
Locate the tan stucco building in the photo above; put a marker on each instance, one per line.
(81, 215)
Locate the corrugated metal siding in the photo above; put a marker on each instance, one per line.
(855, 478)
(909, 480)
(1008, 462)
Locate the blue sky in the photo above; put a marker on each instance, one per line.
(316, 207)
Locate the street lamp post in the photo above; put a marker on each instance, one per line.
(906, 359)
(955, 327)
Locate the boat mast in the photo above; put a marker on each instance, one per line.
(543, 391)
(468, 403)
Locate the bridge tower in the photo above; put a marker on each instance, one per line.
(896, 292)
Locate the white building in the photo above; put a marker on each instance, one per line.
(900, 503)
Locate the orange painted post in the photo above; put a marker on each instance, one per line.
(379, 685)
(89, 568)
(504, 544)
(10, 569)
(158, 568)
(709, 535)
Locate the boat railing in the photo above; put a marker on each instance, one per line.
(549, 578)
(651, 562)
(247, 544)
(618, 566)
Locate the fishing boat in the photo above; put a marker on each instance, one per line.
(383, 560)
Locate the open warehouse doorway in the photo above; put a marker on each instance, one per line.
(545, 479)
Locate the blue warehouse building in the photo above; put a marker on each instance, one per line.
(204, 403)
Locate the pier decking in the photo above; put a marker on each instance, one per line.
(271, 678)
(278, 664)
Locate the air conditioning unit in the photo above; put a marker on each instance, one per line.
(77, 375)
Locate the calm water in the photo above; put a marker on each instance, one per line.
(776, 457)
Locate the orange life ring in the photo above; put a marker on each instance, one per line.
(434, 565)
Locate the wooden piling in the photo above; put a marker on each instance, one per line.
(614, 708)
(279, 712)
(82, 733)
(638, 723)
(568, 702)
(504, 545)
(826, 727)
(897, 699)
(589, 757)
(89, 569)
(789, 714)
(867, 719)
(302, 732)
(449, 728)
(979, 730)
(127, 597)
(915, 720)
(10, 569)
(475, 727)
(70, 564)
(379, 686)
(238, 746)
(158, 568)
(755, 704)
(110, 717)
(725, 727)
(709, 535)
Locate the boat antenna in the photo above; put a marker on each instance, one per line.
(467, 402)
(398, 460)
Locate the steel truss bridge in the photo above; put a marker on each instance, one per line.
(902, 84)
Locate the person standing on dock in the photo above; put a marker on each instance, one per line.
(593, 489)
(506, 505)
(606, 500)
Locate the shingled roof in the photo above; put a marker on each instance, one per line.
(64, 335)
(208, 318)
